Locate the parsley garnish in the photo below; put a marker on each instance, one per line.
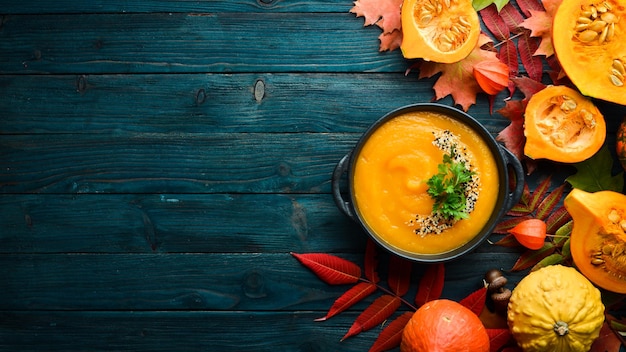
(448, 187)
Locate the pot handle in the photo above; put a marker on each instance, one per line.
(515, 194)
(344, 205)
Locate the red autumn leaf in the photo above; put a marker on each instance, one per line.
(530, 258)
(504, 226)
(494, 22)
(539, 193)
(527, 5)
(513, 135)
(527, 46)
(492, 77)
(512, 17)
(476, 300)
(329, 268)
(508, 241)
(390, 41)
(391, 336)
(540, 24)
(399, 277)
(384, 13)
(508, 56)
(371, 261)
(382, 308)
(350, 298)
(498, 338)
(528, 86)
(459, 74)
(547, 205)
(530, 233)
(431, 284)
(607, 341)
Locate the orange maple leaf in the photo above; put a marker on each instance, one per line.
(540, 25)
(457, 79)
(383, 13)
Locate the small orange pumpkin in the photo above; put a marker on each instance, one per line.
(445, 326)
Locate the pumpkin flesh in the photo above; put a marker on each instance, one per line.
(444, 31)
(598, 239)
(589, 41)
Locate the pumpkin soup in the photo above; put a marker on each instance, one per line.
(394, 172)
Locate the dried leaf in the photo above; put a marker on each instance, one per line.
(431, 284)
(508, 56)
(494, 22)
(530, 258)
(512, 17)
(513, 135)
(559, 218)
(608, 341)
(350, 298)
(476, 300)
(391, 336)
(504, 226)
(382, 308)
(528, 86)
(498, 338)
(390, 41)
(540, 192)
(527, 5)
(383, 13)
(371, 261)
(399, 276)
(554, 258)
(547, 205)
(540, 24)
(527, 46)
(508, 241)
(459, 74)
(329, 268)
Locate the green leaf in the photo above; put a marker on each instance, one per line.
(481, 4)
(552, 259)
(594, 174)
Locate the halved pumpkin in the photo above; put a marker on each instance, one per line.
(589, 39)
(598, 239)
(562, 125)
(444, 31)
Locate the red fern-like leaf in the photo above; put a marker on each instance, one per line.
(504, 226)
(527, 46)
(527, 5)
(498, 338)
(494, 22)
(382, 308)
(329, 268)
(547, 205)
(476, 300)
(350, 298)
(557, 219)
(391, 336)
(371, 261)
(539, 193)
(508, 241)
(508, 55)
(431, 284)
(399, 277)
(512, 17)
(529, 258)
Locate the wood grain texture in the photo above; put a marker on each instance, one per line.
(183, 42)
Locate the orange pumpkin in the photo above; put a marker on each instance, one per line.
(439, 30)
(620, 146)
(562, 125)
(444, 326)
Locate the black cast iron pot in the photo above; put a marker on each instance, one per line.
(510, 171)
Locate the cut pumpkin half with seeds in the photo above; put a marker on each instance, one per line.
(589, 39)
(444, 31)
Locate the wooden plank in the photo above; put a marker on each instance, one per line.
(172, 163)
(121, 6)
(201, 103)
(174, 42)
(197, 281)
(296, 331)
(170, 223)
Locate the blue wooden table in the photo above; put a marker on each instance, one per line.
(159, 162)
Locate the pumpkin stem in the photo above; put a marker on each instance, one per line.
(561, 328)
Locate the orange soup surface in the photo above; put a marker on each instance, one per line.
(391, 174)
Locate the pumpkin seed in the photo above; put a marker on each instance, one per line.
(594, 12)
(584, 19)
(597, 261)
(597, 25)
(601, 8)
(581, 27)
(617, 74)
(616, 80)
(608, 17)
(619, 66)
(425, 18)
(608, 249)
(611, 32)
(603, 35)
(587, 36)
